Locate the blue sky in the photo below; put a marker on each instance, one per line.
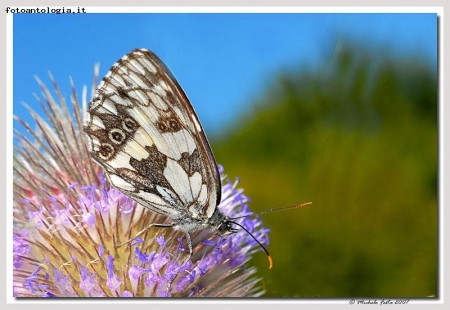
(223, 61)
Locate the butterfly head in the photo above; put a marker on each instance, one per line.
(223, 226)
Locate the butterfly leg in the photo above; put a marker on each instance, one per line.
(145, 229)
(189, 242)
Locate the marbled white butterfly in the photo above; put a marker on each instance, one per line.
(142, 129)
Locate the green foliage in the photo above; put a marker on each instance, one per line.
(359, 140)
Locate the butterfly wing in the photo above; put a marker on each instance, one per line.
(142, 129)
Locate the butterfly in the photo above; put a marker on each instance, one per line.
(142, 129)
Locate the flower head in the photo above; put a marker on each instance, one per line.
(70, 224)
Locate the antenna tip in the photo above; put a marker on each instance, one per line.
(270, 261)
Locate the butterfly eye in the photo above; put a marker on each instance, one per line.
(225, 228)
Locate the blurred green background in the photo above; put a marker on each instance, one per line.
(358, 138)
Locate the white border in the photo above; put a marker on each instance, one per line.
(247, 9)
(221, 9)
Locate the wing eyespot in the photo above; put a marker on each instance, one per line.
(106, 151)
(117, 136)
(130, 124)
(162, 127)
(174, 125)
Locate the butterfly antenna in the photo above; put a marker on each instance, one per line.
(260, 244)
(285, 208)
(275, 209)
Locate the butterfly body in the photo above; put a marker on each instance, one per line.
(142, 129)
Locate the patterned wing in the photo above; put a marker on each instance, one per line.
(142, 129)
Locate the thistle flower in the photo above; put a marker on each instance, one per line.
(69, 223)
